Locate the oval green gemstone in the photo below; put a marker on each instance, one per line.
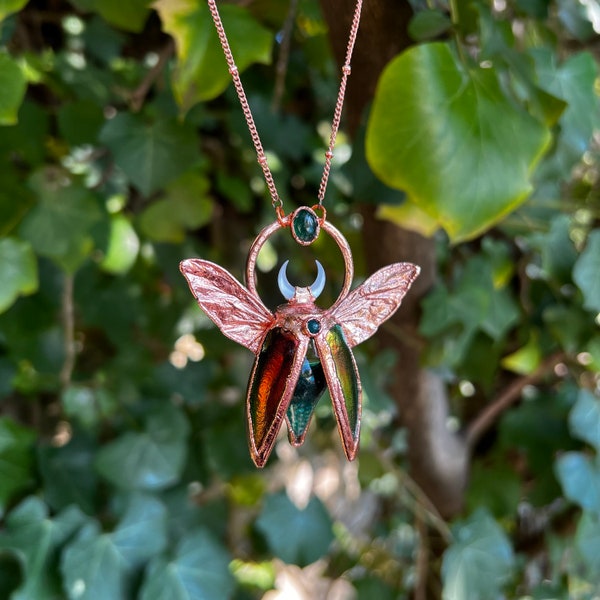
(305, 225)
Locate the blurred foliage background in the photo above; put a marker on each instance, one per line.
(124, 470)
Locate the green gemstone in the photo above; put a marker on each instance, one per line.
(313, 326)
(305, 225)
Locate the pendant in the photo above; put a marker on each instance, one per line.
(300, 349)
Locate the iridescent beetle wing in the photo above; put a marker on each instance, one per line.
(240, 315)
(344, 385)
(272, 384)
(365, 308)
(353, 320)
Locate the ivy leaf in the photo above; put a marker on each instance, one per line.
(451, 140)
(479, 561)
(123, 246)
(8, 7)
(198, 571)
(12, 84)
(428, 24)
(186, 205)
(92, 567)
(130, 15)
(202, 72)
(142, 532)
(296, 536)
(587, 540)
(68, 474)
(586, 270)
(100, 565)
(35, 538)
(584, 418)
(151, 460)
(574, 82)
(79, 122)
(16, 459)
(18, 271)
(59, 226)
(151, 154)
(579, 477)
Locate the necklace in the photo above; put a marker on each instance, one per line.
(300, 349)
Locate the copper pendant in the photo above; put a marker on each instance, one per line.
(301, 348)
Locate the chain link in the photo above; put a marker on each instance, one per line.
(337, 115)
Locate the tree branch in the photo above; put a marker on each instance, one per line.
(284, 55)
(68, 325)
(507, 398)
(138, 96)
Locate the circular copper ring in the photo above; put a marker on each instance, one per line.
(268, 231)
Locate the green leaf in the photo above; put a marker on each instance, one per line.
(100, 565)
(68, 474)
(8, 7)
(526, 359)
(579, 477)
(142, 532)
(79, 122)
(123, 246)
(202, 72)
(557, 250)
(587, 540)
(574, 82)
(12, 87)
(130, 15)
(18, 271)
(451, 140)
(584, 418)
(428, 24)
(185, 206)
(151, 460)
(296, 536)
(59, 226)
(26, 141)
(35, 538)
(150, 154)
(92, 567)
(198, 571)
(480, 560)
(586, 272)
(476, 304)
(16, 459)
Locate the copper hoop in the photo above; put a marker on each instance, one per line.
(269, 230)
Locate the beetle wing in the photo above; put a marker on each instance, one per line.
(239, 314)
(344, 385)
(272, 383)
(365, 308)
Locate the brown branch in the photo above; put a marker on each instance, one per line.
(422, 561)
(68, 324)
(284, 55)
(138, 95)
(488, 416)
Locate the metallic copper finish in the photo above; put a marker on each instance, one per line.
(327, 227)
(280, 341)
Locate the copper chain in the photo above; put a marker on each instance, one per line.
(239, 88)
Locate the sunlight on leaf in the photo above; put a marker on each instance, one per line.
(202, 72)
(18, 271)
(12, 88)
(451, 140)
